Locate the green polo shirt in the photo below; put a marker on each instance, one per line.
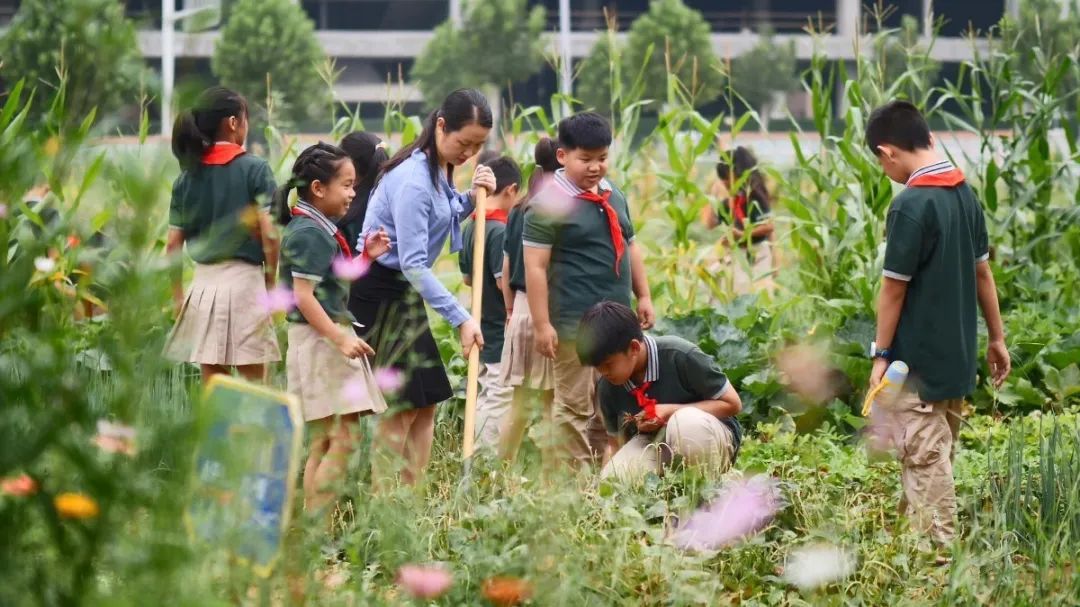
(935, 237)
(582, 269)
(678, 372)
(215, 206)
(493, 307)
(308, 249)
(515, 254)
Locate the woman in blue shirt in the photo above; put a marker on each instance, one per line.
(415, 201)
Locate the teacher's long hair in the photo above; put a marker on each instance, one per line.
(460, 109)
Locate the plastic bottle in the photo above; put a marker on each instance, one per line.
(885, 393)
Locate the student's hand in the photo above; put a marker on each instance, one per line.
(352, 346)
(377, 243)
(483, 178)
(999, 361)
(880, 365)
(547, 340)
(645, 313)
(471, 336)
(648, 426)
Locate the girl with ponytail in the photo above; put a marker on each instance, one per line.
(368, 154)
(415, 200)
(327, 364)
(220, 211)
(531, 375)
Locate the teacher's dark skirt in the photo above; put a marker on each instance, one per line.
(396, 325)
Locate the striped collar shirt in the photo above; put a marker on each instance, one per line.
(936, 168)
(569, 187)
(652, 365)
(323, 221)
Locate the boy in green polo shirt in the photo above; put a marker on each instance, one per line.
(579, 250)
(494, 398)
(661, 397)
(936, 269)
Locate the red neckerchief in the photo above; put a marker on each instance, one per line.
(499, 215)
(222, 153)
(738, 209)
(603, 200)
(647, 403)
(346, 252)
(948, 179)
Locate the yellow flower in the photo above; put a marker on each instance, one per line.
(249, 217)
(75, 505)
(52, 146)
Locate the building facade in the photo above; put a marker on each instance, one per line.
(374, 41)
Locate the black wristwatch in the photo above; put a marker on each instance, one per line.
(876, 352)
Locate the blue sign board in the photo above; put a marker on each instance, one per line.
(246, 465)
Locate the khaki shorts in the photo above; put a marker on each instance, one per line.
(691, 435)
(492, 405)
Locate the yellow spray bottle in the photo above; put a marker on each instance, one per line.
(884, 394)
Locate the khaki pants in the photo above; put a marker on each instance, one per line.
(492, 405)
(925, 436)
(579, 430)
(691, 434)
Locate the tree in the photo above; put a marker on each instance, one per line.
(765, 70)
(275, 40)
(88, 44)
(596, 74)
(679, 38)
(499, 42)
(440, 68)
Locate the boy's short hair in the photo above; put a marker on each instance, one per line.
(586, 131)
(606, 329)
(898, 123)
(507, 172)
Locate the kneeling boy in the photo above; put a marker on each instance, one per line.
(661, 397)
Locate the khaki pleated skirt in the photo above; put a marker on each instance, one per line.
(223, 321)
(327, 382)
(522, 365)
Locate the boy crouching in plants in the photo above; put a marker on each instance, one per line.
(661, 398)
(936, 269)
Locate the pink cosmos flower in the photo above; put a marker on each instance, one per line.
(278, 299)
(351, 269)
(743, 507)
(389, 380)
(806, 372)
(3, 210)
(18, 486)
(424, 581)
(354, 390)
